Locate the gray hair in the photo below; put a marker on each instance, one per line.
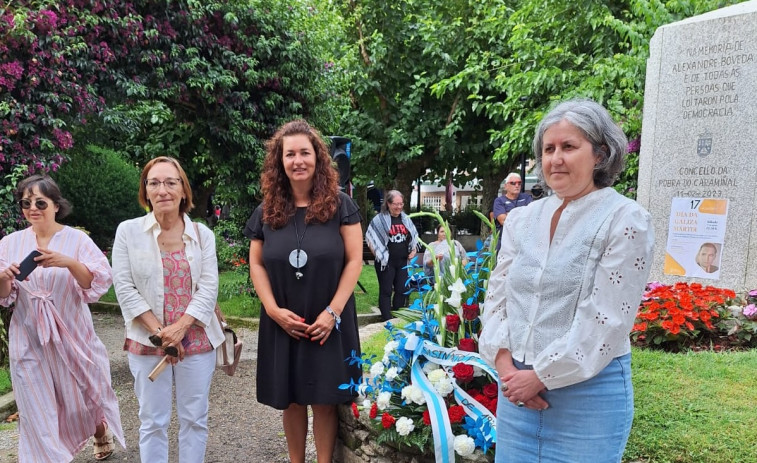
(390, 197)
(608, 141)
(511, 175)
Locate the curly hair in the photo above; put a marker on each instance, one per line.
(278, 200)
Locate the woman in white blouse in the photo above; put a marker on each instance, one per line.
(563, 297)
(439, 250)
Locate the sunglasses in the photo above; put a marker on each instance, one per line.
(169, 350)
(40, 204)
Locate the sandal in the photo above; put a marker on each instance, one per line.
(104, 445)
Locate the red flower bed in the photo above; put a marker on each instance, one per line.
(681, 316)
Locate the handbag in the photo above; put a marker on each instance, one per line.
(229, 351)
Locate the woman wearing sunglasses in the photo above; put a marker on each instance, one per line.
(59, 367)
(165, 274)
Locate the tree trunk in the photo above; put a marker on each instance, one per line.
(201, 195)
(406, 175)
(359, 195)
(489, 192)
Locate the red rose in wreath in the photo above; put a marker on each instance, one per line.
(470, 311)
(463, 372)
(491, 390)
(467, 344)
(453, 322)
(456, 414)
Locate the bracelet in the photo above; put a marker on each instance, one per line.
(337, 318)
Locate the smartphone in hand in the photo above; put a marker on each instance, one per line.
(27, 265)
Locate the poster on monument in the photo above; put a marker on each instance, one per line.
(695, 237)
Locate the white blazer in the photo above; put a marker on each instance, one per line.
(138, 275)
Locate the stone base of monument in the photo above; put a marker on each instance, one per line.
(356, 443)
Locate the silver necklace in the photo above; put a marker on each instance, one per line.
(298, 257)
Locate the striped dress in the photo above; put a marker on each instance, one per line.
(59, 367)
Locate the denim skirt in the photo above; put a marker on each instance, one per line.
(586, 422)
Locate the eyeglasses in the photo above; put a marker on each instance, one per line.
(514, 183)
(396, 204)
(39, 203)
(169, 183)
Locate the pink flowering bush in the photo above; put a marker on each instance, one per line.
(739, 321)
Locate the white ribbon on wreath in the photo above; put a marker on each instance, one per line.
(444, 440)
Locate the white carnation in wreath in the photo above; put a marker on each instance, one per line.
(464, 445)
(404, 426)
(376, 369)
(383, 399)
(392, 373)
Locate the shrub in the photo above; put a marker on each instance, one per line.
(466, 220)
(10, 214)
(232, 248)
(103, 189)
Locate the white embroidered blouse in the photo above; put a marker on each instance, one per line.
(568, 307)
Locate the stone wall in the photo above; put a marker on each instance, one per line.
(697, 144)
(356, 443)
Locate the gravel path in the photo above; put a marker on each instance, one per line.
(241, 429)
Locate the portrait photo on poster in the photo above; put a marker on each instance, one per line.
(708, 257)
(696, 234)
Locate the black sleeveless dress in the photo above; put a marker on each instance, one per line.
(303, 371)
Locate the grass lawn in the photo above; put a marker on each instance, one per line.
(695, 407)
(5, 380)
(242, 305)
(690, 408)
(236, 302)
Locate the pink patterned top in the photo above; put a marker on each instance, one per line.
(177, 281)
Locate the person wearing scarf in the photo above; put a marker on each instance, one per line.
(392, 238)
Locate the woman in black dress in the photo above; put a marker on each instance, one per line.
(305, 260)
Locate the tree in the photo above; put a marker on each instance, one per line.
(206, 82)
(405, 128)
(396, 121)
(46, 87)
(209, 82)
(539, 52)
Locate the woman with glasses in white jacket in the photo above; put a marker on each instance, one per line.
(165, 275)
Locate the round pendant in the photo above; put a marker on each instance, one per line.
(298, 258)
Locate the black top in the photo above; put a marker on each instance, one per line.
(303, 371)
(399, 236)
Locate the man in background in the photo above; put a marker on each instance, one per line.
(511, 199)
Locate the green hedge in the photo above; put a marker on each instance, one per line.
(103, 189)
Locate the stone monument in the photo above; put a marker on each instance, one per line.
(699, 146)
